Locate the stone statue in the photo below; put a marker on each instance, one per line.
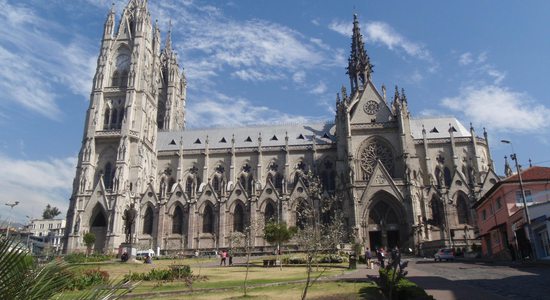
(129, 220)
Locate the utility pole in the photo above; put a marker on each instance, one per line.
(514, 157)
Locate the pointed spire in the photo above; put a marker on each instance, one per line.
(507, 168)
(359, 66)
(168, 46)
(403, 96)
(396, 93)
(109, 23)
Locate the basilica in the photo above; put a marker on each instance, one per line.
(404, 181)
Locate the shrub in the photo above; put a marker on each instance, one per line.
(174, 273)
(88, 278)
(331, 258)
(404, 290)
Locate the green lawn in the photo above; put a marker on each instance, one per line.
(231, 278)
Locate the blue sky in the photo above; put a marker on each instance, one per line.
(485, 62)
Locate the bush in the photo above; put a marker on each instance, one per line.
(404, 290)
(77, 258)
(331, 258)
(174, 273)
(88, 278)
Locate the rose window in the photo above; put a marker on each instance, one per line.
(371, 154)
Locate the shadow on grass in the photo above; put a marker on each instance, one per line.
(371, 292)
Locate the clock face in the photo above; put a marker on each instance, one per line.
(371, 107)
(122, 62)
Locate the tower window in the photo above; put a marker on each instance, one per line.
(116, 79)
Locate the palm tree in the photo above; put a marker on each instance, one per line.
(21, 277)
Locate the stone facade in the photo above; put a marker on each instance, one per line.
(405, 181)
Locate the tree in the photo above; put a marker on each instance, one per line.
(277, 233)
(89, 241)
(323, 230)
(21, 277)
(50, 212)
(245, 241)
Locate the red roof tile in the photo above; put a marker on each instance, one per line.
(533, 173)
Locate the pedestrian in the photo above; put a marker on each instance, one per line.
(368, 257)
(230, 254)
(380, 255)
(124, 257)
(223, 256)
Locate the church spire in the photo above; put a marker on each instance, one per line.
(168, 45)
(359, 66)
(109, 23)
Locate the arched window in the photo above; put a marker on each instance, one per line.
(124, 79)
(208, 220)
(437, 212)
(462, 210)
(120, 118)
(269, 214)
(303, 214)
(106, 118)
(177, 221)
(238, 218)
(447, 175)
(114, 118)
(148, 221)
(171, 183)
(438, 177)
(189, 186)
(116, 79)
(108, 176)
(216, 184)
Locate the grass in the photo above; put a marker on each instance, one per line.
(217, 277)
(319, 291)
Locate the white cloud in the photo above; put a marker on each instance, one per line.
(299, 77)
(465, 59)
(383, 33)
(319, 89)
(255, 45)
(499, 108)
(253, 75)
(217, 110)
(33, 61)
(342, 27)
(36, 183)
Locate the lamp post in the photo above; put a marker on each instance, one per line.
(513, 156)
(11, 205)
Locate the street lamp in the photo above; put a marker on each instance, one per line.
(11, 205)
(513, 156)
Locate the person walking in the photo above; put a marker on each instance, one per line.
(368, 257)
(380, 255)
(223, 256)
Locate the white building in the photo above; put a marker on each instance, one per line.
(47, 232)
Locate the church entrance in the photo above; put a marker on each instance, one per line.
(384, 228)
(98, 226)
(375, 239)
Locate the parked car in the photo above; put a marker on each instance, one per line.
(142, 253)
(444, 254)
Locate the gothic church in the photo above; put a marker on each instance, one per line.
(405, 181)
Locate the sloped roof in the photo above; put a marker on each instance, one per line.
(533, 173)
(438, 127)
(272, 135)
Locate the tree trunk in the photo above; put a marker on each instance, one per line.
(308, 280)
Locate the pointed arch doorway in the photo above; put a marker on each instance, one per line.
(384, 226)
(98, 226)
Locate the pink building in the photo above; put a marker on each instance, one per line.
(501, 217)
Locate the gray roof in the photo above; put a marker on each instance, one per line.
(272, 135)
(438, 127)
